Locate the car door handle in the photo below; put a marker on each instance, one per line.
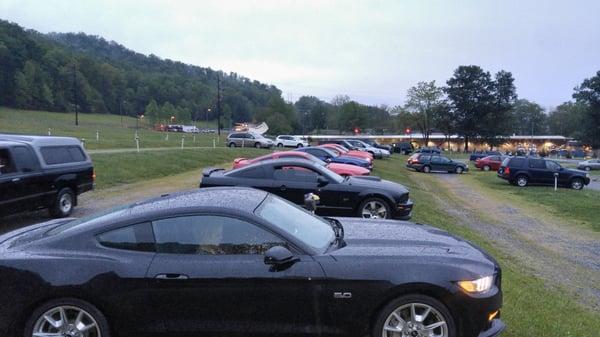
(283, 187)
(15, 180)
(171, 277)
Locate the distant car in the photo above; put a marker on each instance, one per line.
(376, 144)
(249, 139)
(523, 171)
(290, 141)
(175, 128)
(489, 163)
(425, 162)
(405, 148)
(343, 151)
(588, 165)
(483, 154)
(376, 152)
(342, 142)
(344, 170)
(43, 172)
(429, 150)
(292, 179)
(328, 155)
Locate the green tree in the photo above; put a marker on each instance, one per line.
(529, 118)
(152, 112)
(588, 93)
(22, 94)
(352, 115)
(443, 119)
(278, 124)
(567, 119)
(422, 99)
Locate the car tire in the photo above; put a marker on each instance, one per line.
(402, 307)
(71, 308)
(372, 208)
(299, 146)
(279, 145)
(426, 169)
(459, 170)
(232, 144)
(521, 180)
(486, 168)
(577, 183)
(63, 204)
(257, 145)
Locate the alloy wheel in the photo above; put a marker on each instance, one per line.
(66, 321)
(486, 168)
(65, 203)
(522, 181)
(415, 320)
(374, 210)
(426, 169)
(459, 170)
(587, 168)
(577, 184)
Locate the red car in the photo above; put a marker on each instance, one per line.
(341, 169)
(342, 151)
(489, 163)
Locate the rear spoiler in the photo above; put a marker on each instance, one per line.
(208, 171)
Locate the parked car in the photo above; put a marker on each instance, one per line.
(429, 150)
(482, 154)
(588, 165)
(489, 163)
(341, 142)
(181, 263)
(376, 144)
(523, 171)
(42, 172)
(405, 148)
(249, 139)
(328, 155)
(343, 151)
(425, 162)
(377, 153)
(292, 179)
(342, 169)
(290, 141)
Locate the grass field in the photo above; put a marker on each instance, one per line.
(530, 307)
(112, 133)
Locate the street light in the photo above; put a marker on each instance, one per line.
(207, 111)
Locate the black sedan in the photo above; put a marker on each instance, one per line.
(242, 261)
(292, 179)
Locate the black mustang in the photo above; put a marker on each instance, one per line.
(242, 261)
(292, 179)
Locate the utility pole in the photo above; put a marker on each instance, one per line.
(75, 92)
(218, 104)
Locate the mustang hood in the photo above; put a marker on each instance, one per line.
(392, 238)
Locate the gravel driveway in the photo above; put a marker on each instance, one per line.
(556, 252)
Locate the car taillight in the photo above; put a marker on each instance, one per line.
(507, 170)
(93, 175)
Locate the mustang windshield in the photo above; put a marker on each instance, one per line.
(308, 228)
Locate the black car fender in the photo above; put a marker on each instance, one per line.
(375, 194)
(66, 180)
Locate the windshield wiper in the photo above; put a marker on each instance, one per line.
(338, 230)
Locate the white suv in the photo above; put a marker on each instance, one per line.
(290, 141)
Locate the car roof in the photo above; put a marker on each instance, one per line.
(38, 141)
(244, 198)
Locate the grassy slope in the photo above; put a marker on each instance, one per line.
(574, 207)
(530, 308)
(113, 134)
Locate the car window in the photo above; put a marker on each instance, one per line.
(137, 237)
(6, 163)
(553, 166)
(296, 174)
(212, 235)
(515, 162)
(444, 160)
(436, 159)
(249, 172)
(425, 158)
(62, 154)
(26, 160)
(537, 163)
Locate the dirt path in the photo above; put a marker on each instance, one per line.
(101, 199)
(556, 252)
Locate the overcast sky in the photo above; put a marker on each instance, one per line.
(372, 51)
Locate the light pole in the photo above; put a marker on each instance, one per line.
(207, 112)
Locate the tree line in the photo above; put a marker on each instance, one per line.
(64, 72)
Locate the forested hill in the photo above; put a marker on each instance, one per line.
(56, 71)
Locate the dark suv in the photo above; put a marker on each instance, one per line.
(42, 172)
(522, 171)
(428, 162)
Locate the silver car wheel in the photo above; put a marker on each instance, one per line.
(522, 181)
(65, 203)
(374, 210)
(577, 184)
(459, 170)
(486, 168)
(66, 321)
(415, 320)
(587, 168)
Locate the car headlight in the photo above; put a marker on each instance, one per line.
(477, 286)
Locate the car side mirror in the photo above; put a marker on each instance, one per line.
(278, 256)
(322, 181)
